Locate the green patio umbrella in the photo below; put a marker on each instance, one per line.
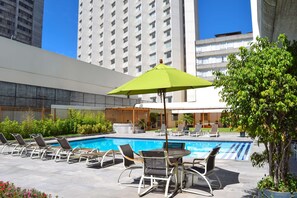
(160, 79)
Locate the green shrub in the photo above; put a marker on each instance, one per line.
(10, 126)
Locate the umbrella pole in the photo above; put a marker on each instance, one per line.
(165, 117)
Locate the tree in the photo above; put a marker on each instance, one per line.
(260, 87)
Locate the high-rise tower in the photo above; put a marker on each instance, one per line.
(130, 36)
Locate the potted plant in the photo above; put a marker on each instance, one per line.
(260, 87)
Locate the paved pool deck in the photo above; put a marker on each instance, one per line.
(239, 178)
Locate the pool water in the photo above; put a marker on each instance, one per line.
(229, 149)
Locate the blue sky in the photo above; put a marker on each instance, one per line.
(215, 17)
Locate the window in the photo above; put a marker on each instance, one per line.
(112, 32)
(101, 34)
(112, 51)
(138, 7)
(101, 44)
(101, 63)
(125, 69)
(113, 13)
(167, 32)
(125, 39)
(112, 61)
(125, 59)
(167, 11)
(126, 10)
(113, 4)
(167, 22)
(125, 49)
(153, 99)
(169, 99)
(113, 23)
(112, 41)
(125, 20)
(101, 25)
(138, 16)
(138, 37)
(138, 58)
(166, 2)
(125, 1)
(101, 16)
(153, 46)
(138, 69)
(153, 24)
(167, 54)
(138, 27)
(175, 117)
(101, 53)
(153, 35)
(168, 43)
(152, 4)
(153, 13)
(102, 7)
(138, 47)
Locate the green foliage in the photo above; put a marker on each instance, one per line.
(260, 87)
(77, 122)
(288, 185)
(8, 126)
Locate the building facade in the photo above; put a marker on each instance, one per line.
(37, 79)
(211, 54)
(21, 20)
(130, 36)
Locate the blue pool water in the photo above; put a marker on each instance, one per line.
(229, 149)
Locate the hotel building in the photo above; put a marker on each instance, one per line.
(21, 20)
(130, 36)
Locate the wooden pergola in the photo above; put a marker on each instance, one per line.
(128, 115)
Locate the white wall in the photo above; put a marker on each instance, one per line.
(20, 63)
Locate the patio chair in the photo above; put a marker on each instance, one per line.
(162, 131)
(43, 150)
(22, 148)
(130, 162)
(157, 167)
(197, 131)
(214, 132)
(69, 153)
(179, 131)
(97, 157)
(201, 168)
(5, 144)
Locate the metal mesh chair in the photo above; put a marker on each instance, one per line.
(157, 167)
(129, 161)
(22, 148)
(204, 168)
(4, 144)
(43, 149)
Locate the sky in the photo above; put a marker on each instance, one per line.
(215, 17)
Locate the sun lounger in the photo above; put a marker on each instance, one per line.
(179, 131)
(214, 132)
(5, 144)
(98, 158)
(197, 131)
(43, 150)
(69, 153)
(22, 148)
(161, 131)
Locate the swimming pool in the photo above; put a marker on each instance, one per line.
(229, 149)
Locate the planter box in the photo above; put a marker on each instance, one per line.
(273, 194)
